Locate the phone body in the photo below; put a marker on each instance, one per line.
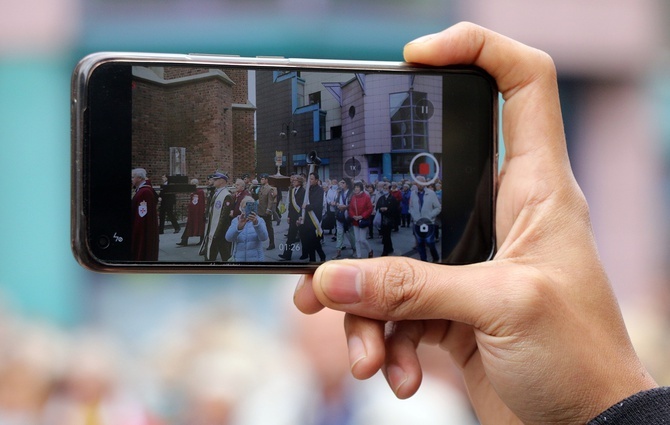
(251, 207)
(238, 124)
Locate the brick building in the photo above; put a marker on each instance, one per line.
(192, 121)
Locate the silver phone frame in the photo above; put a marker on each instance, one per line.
(79, 97)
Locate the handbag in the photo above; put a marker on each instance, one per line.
(378, 220)
(363, 222)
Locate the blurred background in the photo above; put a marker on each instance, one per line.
(76, 346)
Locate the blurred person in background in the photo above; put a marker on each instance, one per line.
(92, 389)
(32, 356)
(332, 397)
(217, 365)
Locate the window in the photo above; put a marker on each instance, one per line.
(315, 98)
(322, 125)
(409, 124)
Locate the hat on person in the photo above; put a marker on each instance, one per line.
(263, 175)
(218, 175)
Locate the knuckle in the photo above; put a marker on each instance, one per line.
(544, 64)
(403, 283)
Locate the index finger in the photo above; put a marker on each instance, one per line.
(507, 60)
(526, 77)
(305, 298)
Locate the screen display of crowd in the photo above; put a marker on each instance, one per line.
(262, 165)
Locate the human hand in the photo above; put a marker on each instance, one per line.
(241, 221)
(253, 217)
(536, 331)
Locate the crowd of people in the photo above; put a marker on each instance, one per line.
(235, 220)
(204, 364)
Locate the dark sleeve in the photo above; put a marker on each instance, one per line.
(647, 407)
(224, 218)
(316, 201)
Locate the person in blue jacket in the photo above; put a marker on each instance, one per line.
(247, 234)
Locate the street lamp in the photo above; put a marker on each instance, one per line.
(288, 130)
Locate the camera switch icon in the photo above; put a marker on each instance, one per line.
(424, 228)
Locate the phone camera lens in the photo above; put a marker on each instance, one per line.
(103, 242)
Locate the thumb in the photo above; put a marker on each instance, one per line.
(400, 288)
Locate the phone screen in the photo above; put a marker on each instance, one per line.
(336, 164)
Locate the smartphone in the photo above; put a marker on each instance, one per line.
(251, 207)
(165, 146)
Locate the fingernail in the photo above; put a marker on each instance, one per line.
(422, 39)
(357, 351)
(341, 283)
(396, 377)
(298, 287)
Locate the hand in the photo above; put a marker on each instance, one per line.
(536, 331)
(253, 217)
(241, 221)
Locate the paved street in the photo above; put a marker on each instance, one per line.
(403, 242)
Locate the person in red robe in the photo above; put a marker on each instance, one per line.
(144, 240)
(195, 222)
